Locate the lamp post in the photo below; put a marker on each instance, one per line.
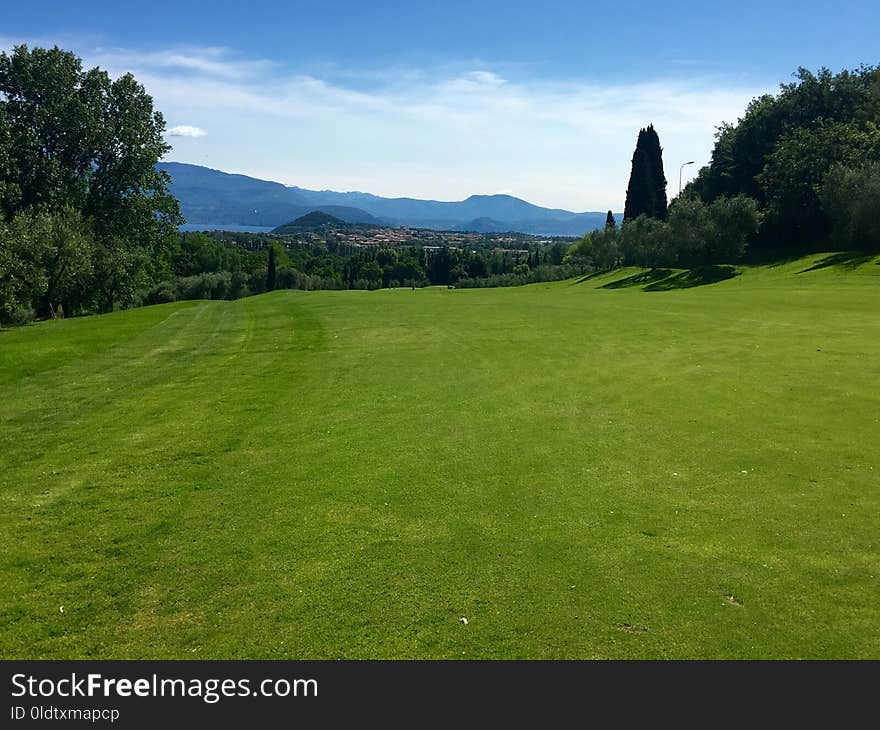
(679, 174)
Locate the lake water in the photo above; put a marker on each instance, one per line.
(224, 227)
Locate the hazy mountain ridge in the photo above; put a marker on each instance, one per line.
(212, 197)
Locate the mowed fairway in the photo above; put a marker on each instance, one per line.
(580, 472)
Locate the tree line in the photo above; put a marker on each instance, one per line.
(692, 235)
(809, 157)
(798, 173)
(226, 265)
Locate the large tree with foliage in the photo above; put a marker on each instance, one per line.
(646, 192)
(74, 140)
(782, 149)
(852, 198)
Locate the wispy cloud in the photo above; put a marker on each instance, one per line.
(182, 130)
(209, 61)
(441, 134)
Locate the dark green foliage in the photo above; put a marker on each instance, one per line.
(606, 248)
(271, 271)
(783, 148)
(705, 235)
(647, 242)
(46, 263)
(694, 235)
(795, 172)
(77, 164)
(734, 223)
(522, 275)
(646, 192)
(609, 220)
(246, 261)
(851, 197)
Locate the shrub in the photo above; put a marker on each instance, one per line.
(851, 196)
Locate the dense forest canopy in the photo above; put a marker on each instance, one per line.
(783, 149)
(798, 173)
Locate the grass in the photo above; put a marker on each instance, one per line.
(580, 472)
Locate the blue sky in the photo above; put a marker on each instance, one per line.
(542, 100)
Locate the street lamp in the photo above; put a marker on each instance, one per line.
(679, 174)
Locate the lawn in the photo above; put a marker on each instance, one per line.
(578, 471)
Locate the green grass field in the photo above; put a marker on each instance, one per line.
(581, 472)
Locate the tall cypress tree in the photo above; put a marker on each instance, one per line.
(658, 178)
(646, 192)
(609, 220)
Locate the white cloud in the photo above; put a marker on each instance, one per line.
(208, 61)
(185, 131)
(439, 134)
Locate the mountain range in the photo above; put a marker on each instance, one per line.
(214, 198)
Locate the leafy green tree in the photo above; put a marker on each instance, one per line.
(794, 175)
(735, 221)
(690, 230)
(23, 277)
(599, 250)
(702, 235)
(46, 262)
(556, 253)
(852, 197)
(647, 242)
(781, 150)
(271, 271)
(74, 139)
(9, 194)
(68, 260)
(581, 252)
(606, 251)
(609, 220)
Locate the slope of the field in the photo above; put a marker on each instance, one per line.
(577, 471)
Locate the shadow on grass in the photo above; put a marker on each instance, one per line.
(774, 262)
(640, 279)
(594, 275)
(848, 260)
(694, 277)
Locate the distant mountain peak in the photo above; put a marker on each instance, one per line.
(211, 197)
(494, 196)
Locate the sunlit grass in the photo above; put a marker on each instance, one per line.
(579, 471)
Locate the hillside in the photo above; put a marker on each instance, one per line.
(484, 225)
(212, 197)
(215, 198)
(582, 469)
(314, 221)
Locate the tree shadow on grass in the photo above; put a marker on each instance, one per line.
(640, 279)
(848, 260)
(774, 262)
(593, 275)
(694, 277)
